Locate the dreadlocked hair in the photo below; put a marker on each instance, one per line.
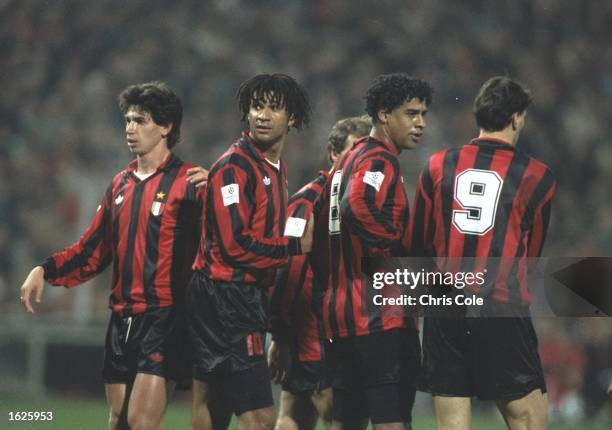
(279, 89)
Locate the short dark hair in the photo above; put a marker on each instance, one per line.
(158, 100)
(358, 125)
(497, 100)
(277, 88)
(390, 91)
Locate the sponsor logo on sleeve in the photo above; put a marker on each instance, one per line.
(295, 227)
(375, 179)
(230, 194)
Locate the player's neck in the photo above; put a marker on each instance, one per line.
(380, 132)
(150, 162)
(274, 152)
(507, 135)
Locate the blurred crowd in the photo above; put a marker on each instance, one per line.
(63, 62)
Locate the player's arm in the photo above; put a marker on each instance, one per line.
(284, 294)
(541, 217)
(78, 263)
(419, 237)
(191, 212)
(234, 207)
(368, 207)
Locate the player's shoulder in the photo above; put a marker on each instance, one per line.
(444, 152)
(437, 158)
(545, 173)
(187, 165)
(230, 156)
(233, 158)
(120, 175)
(373, 151)
(540, 164)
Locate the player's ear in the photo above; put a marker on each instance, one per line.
(166, 129)
(333, 156)
(382, 116)
(291, 121)
(514, 121)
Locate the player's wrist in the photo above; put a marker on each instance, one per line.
(48, 268)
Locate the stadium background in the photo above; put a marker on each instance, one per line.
(61, 140)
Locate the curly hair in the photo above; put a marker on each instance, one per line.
(158, 100)
(390, 91)
(279, 89)
(497, 99)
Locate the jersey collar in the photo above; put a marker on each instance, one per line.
(391, 148)
(490, 141)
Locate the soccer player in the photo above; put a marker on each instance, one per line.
(374, 355)
(245, 239)
(485, 199)
(145, 227)
(306, 386)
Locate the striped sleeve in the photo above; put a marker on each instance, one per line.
(370, 205)
(239, 240)
(290, 278)
(541, 218)
(286, 291)
(89, 256)
(420, 231)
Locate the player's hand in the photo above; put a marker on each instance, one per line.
(279, 361)
(197, 175)
(306, 239)
(34, 283)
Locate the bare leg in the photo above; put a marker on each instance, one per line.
(200, 414)
(208, 409)
(259, 419)
(148, 402)
(322, 400)
(296, 412)
(527, 413)
(452, 413)
(118, 403)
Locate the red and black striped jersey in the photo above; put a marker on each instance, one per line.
(293, 302)
(245, 214)
(367, 215)
(485, 205)
(148, 230)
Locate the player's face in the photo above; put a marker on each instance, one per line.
(141, 132)
(406, 123)
(269, 122)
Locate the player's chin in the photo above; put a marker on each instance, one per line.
(265, 138)
(410, 143)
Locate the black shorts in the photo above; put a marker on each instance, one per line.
(227, 322)
(375, 376)
(154, 342)
(307, 377)
(490, 358)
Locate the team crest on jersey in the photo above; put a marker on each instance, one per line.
(157, 208)
(266, 181)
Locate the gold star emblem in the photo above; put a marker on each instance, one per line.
(160, 195)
